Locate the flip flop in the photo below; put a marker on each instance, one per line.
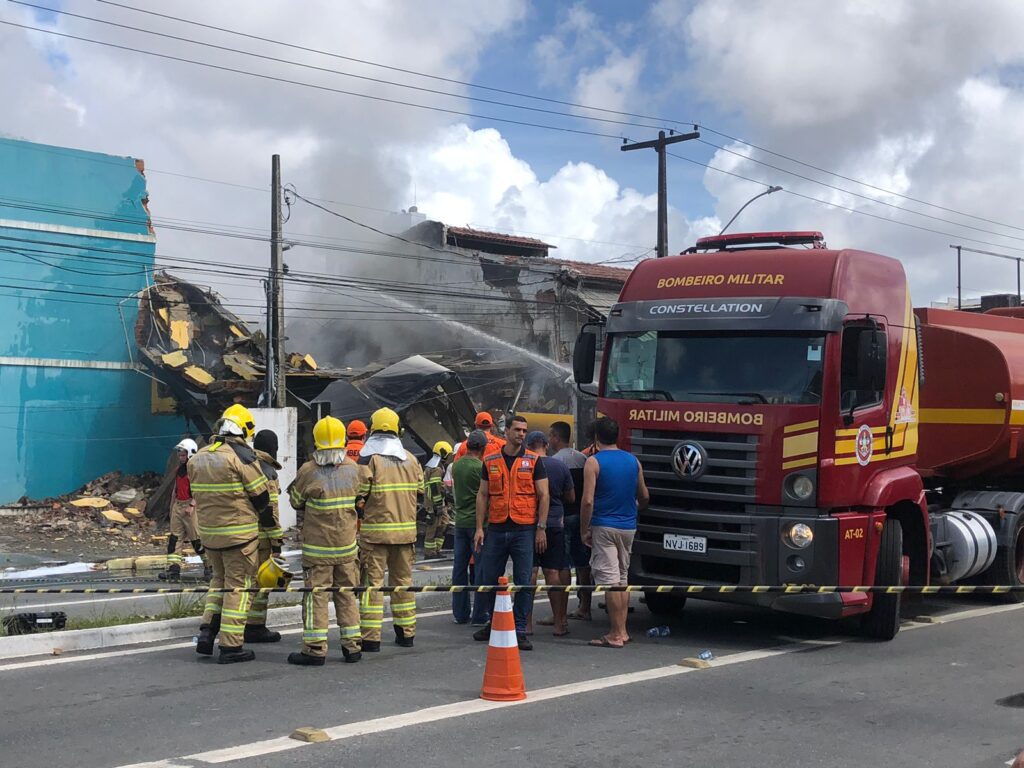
(545, 622)
(580, 617)
(563, 633)
(604, 642)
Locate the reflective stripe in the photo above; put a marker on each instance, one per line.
(503, 603)
(297, 498)
(350, 631)
(232, 629)
(259, 482)
(503, 638)
(396, 487)
(309, 550)
(373, 623)
(216, 487)
(228, 530)
(369, 527)
(371, 609)
(314, 635)
(405, 621)
(274, 498)
(271, 533)
(340, 502)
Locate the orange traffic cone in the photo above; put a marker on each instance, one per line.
(503, 676)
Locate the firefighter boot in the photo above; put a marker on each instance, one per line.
(258, 633)
(371, 646)
(305, 660)
(351, 657)
(173, 573)
(207, 634)
(235, 655)
(401, 639)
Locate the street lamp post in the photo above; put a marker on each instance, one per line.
(768, 191)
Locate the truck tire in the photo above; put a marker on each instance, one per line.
(664, 603)
(1007, 569)
(882, 622)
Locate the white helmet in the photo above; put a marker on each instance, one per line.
(188, 446)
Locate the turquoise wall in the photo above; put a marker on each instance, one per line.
(74, 244)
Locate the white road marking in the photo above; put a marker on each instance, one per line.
(48, 662)
(474, 706)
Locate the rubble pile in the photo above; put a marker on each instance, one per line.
(111, 507)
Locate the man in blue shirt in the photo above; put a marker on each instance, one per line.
(554, 561)
(614, 492)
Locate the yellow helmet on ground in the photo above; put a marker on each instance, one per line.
(442, 448)
(328, 433)
(384, 420)
(273, 573)
(239, 415)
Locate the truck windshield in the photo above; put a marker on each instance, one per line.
(715, 368)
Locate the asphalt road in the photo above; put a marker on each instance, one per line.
(783, 691)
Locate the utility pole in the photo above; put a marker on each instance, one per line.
(659, 146)
(275, 386)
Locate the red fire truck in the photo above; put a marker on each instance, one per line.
(799, 422)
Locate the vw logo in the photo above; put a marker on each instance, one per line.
(689, 460)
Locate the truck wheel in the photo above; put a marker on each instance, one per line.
(882, 622)
(664, 603)
(1008, 568)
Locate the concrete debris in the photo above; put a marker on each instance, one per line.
(106, 510)
(124, 496)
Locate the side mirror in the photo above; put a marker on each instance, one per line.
(583, 356)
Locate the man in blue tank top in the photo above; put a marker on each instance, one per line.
(613, 493)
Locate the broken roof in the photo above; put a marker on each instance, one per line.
(465, 236)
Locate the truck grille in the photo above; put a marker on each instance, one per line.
(728, 484)
(718, 505)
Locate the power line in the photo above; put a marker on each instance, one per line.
(380, 81)
(857, 194)
(562, 102)
(314, 86)
(844, 207)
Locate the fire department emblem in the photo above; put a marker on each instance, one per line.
(689, 460)
(865, 445)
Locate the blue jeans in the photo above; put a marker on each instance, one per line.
(464, 574)
(498, 547)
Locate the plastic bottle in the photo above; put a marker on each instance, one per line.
(705, 655)
(664, 631)
(654, 632)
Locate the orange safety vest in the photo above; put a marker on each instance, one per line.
(514, 496)
(353, 448)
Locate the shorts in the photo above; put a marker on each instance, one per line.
(578, 552)
(610, 555)
(554, 558)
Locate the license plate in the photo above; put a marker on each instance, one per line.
(698, 545)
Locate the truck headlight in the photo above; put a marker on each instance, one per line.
(799, 535)
(802, 487)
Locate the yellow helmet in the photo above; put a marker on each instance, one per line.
(239, 415)
(273, 573)
(384, 420)
(328, 433)
(442, 448)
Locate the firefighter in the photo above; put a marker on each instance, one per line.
(183, 516)
(391, 482)
(434, 500)
(356, 439)
(325, 490)
(232, 502)
(270, 539)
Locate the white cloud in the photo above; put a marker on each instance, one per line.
(472, 178)
(920, 98)
(613, 84)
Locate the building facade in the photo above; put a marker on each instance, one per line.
(76, 248)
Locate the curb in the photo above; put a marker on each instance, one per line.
(55, 643)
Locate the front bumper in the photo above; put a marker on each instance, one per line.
(742, 549)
